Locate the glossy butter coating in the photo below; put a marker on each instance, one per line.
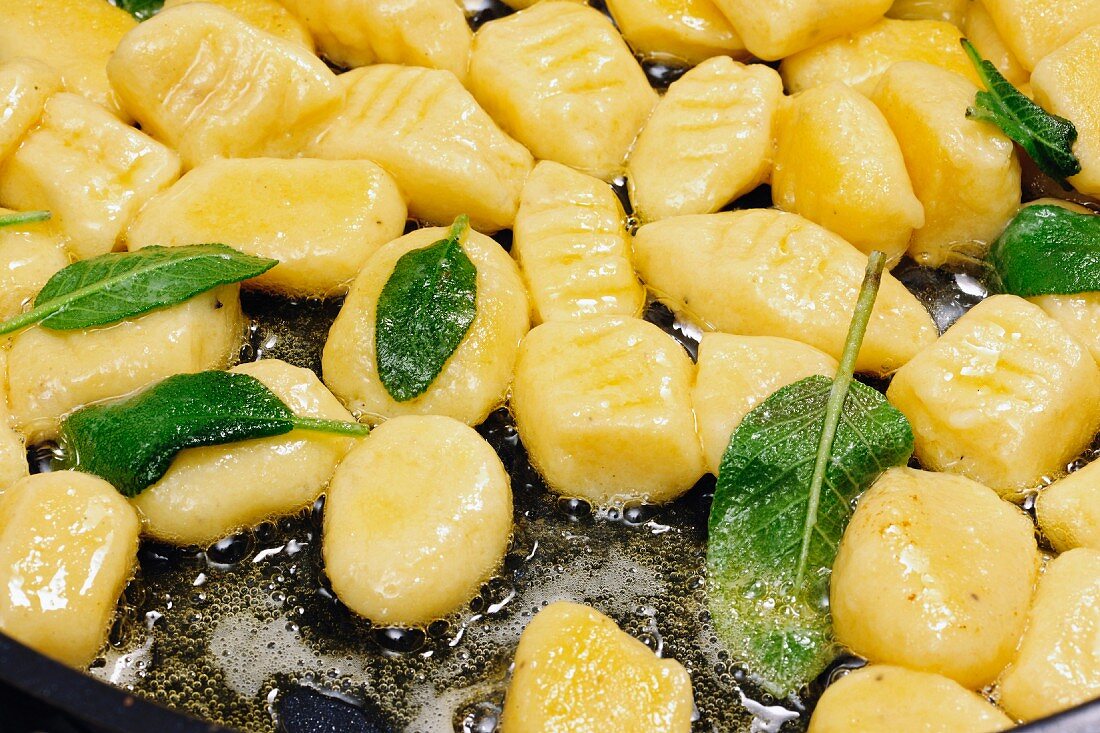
(772, 29)
(25, 85)
(676, 31)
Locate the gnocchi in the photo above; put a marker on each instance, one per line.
(352, 33)
(1079, 314)
(710, 140)
(899, 593)
(860, 59)
(474, 381)
(1056, 667)
(68, 547)
(576, 671)
(951, 11)
(1034, 28)
(13, 452)
(883, 699)
(29, 256)
(679, 31)
(417, 517)
(965, 175)
(52, 373)
(838, 164)
(267, 15)
(737, 373)
(1005, 397)
(91, 170)
(267, 207)
(1062, 84)
(25, 85)
(271, 477)
(623, 432)
(1068, 511)
(187, 76)
(560, 79)
(572, 246)
(446, 154)
(980, 30)
(773, 29)
(75, 37)
(769, 273)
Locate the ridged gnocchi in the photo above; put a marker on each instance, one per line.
(881, 698)
(269, 207)
(75, 37)
(25, 85)
(350, 33)
(1006, 397)
(1056, 665)
(860, 59)
(267, 15)
(68, 547)
(446, 154)
(710, 139)
(837, 163)
(934, 573)
(90, 169)
(30, 254)
(576, 671)
(622, 432)
(737, 373)
(271, 477)
(1068, 511)
(559, 78)
(1034, 28)
(52, 373)
(769, 273)
(572, 246)
(676, 31)
(1063, 83)
(474, 381)
(772, 29)
(966, 175)
(417, 517)
(190, 77)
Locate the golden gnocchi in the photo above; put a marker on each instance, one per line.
(1034, 28)
(572, 246)
(417, 517)
(773, 29)
(710, 140)
(187, 76)
(25, 85)
(267, 15)
(899, 594)
(1068, 511)
(769, 273)
(475, 379)
(446, 154)
(30, 254)
(13, 452)
(686, 31)
(272, 477)
(560, 79)
(623, 432)
(68, 546)
(267, 207)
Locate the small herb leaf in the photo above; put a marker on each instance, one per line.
(783, 498)
(132, 443)
(116, 286)
(1047, 138)
(1048, 250)
(23, 217)
(140, 9)
(424, 312)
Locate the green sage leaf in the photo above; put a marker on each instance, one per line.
(132, 443)
(424, 312)
(1048, 139)
(23, 217)
(784, 496)
(140, 9)
(116, 286)
(1048, 250)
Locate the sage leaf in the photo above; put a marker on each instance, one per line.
(116, 286)
(132, 443)
(1048, 250)
(140, 9)
(23, 217)
(784, 495)
(1047, 138)
(424, 311)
